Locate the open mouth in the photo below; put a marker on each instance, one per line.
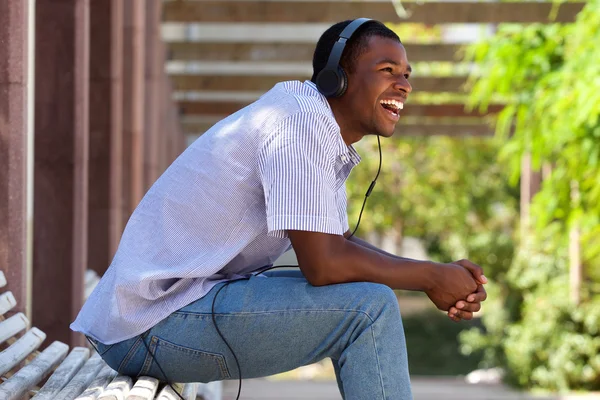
(392, 107)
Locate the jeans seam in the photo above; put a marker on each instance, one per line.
(129, 355)
(223, 367)
(250, 313)
(149, 357)
(377, 358)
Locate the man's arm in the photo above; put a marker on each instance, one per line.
(462, 309)
(368, 245)
(329, 259)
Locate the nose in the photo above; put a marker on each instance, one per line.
(403, 85)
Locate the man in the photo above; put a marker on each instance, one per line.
(172, 304)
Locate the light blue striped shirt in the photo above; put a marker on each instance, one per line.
(222, 209)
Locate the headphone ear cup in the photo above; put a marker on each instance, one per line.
(328, 82)
(343, 82)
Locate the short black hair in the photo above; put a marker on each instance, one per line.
(354, 47)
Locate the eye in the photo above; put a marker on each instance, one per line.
(407, 76)
(388, 69)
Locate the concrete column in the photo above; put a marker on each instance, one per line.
(154, 71)
(163, 138)
(106, 106)
(16, 108)
(174, 130)
(61, 165)
(133, 102)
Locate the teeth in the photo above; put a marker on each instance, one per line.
(398, 104)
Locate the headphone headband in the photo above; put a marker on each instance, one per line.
(339, 45)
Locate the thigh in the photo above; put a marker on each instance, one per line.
(285, 273)
(272, 324)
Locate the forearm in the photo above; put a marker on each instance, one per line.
(360, 261)
(327, 259)
(368, 245)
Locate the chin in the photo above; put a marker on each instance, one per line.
(386, 132)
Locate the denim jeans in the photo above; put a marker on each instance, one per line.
(275, 324)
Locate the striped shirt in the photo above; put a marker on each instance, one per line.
(222, 209)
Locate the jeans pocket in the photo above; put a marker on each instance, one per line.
(183, 364)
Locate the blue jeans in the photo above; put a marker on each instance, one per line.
(275, 324)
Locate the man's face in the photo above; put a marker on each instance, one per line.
(378, 87)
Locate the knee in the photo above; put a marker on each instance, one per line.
(380, 298)
(379, 292)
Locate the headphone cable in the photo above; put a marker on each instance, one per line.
(369, 190)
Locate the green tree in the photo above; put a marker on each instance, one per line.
(549, 75)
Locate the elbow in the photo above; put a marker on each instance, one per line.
(318, 279)
(322, 273)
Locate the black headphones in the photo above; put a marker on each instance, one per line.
(332, 80)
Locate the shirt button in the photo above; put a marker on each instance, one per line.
(344, 158)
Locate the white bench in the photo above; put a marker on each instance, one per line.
(78, 374)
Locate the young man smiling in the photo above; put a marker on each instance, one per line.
(267, 177)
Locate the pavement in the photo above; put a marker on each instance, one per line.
(424, 388)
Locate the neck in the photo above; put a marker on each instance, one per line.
(348, 127)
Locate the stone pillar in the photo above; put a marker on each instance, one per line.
(154, 70)
(16, 109)
(133, 103)
(174, 134)
(61, 165)
(163, 139)
(106, 106)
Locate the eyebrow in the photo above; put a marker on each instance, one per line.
(390, 61)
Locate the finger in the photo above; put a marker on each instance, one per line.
(470, 307)
(454, 318)
(466, 315)
(474, 269)
(479, 295)
(457, 315)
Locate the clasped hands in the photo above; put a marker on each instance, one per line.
(458, 289)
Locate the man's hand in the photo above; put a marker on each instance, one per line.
(451, 283)
(465, 309)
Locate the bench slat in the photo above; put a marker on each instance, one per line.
(96, 388)
(144, 389)
(63, 374)
(82, 379)
(169, 394)
(187, 390)
(20, 349)
(118, 389)
(12, 326)
(2, 279)
(190, 391)
(7, 302)
(28, 376)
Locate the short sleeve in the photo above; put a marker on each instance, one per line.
(342, 203)
(297, 170)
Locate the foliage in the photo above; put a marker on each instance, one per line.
(550, 77)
